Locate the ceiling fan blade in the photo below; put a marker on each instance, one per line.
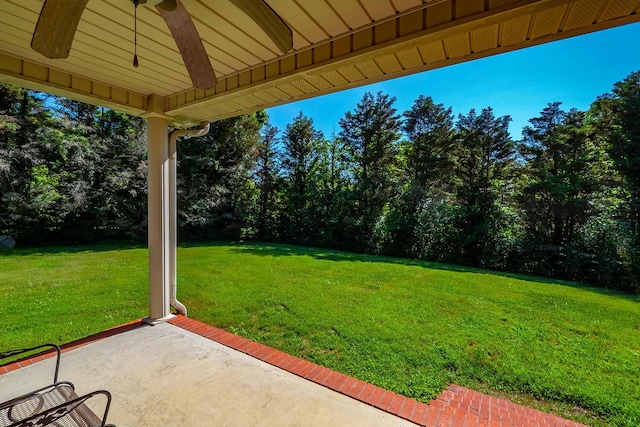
(269, 21)
(56, 27)
(190, 46)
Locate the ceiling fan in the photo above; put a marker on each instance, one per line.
(59, 20)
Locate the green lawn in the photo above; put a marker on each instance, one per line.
(407, 326)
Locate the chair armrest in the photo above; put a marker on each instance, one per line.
(12, 353)
(71, 412)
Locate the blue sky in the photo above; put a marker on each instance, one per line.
(520, 83)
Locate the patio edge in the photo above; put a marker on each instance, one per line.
(34, 358)
(455, 406)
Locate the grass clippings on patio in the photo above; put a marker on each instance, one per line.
(410, 327)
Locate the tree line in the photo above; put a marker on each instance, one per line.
(563, 201)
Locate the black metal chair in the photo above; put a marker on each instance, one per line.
(56, 404)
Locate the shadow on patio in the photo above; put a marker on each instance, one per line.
(191, 374)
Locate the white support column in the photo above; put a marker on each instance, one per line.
(159, 214)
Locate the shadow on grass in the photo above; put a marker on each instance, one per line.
(283, 250)
(48, 250)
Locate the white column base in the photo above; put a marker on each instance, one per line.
(153, 322)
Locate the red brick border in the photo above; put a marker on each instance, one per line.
(456, 406)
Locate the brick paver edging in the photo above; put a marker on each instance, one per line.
(456, 406)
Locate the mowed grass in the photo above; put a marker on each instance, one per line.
(410, 327)
(62, 294)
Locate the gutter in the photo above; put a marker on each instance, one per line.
(173, 225)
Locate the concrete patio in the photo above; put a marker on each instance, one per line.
(167, 376)
(188, 373)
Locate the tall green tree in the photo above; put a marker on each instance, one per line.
(559, 193)
(44, 202)
(301, 160)
(216, 194)
(334, 198)
(429, 127)
(29, 149)
(266, 177)
(615, 232)
(370, 133)
(482, 158)
(618, 118)
(562, 179)
(105, 173)
(427, 163)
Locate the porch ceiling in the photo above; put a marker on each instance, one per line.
(338, 44)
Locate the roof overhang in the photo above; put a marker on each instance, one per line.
(338, 44)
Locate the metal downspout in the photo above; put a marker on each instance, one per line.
(173, 162)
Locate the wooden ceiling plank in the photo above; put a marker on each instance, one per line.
(378, 9)
(409, 58)
(515, 30)
(468, 8)
(299, 20)
(9, 19)
(265, 97)
(230, 20)
(581, 14)
(618, 8)
(369, 69)
(244, 102)
(278, 93)
(153, 35)
(334, 78)
(485, 38)
(97, 68)
(318, 81)
(229, 37)
(291, 90)
(30, 8)
(351, 73)
(351, 13)
(458, 45)
(79, 70)
(402, 5)
(109, 54)
(97, 38)
(548, 21)
(325, 16)
(120, 34)
(305, 86)
(389, 64)
(432, 52)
